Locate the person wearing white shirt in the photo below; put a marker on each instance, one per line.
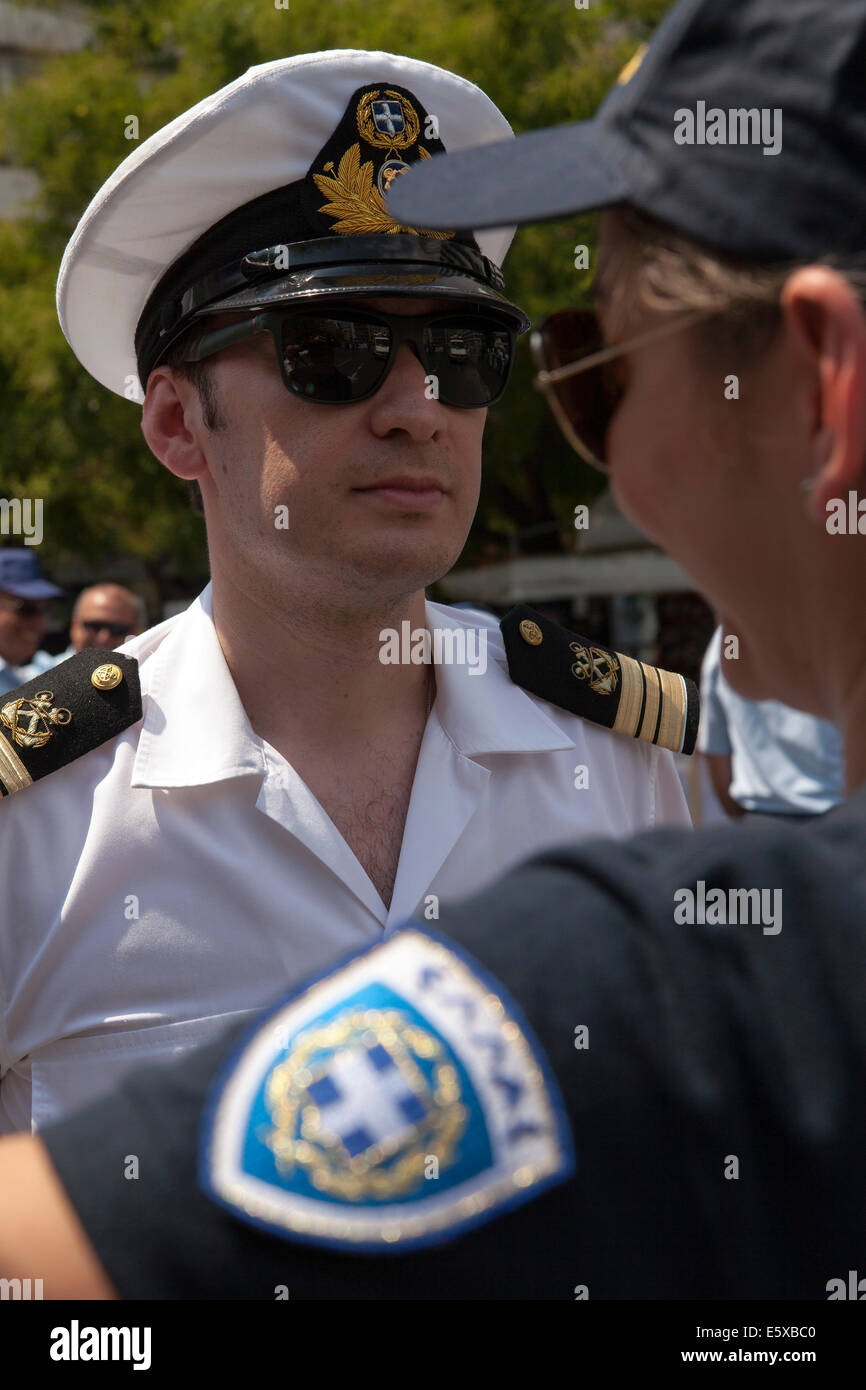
(289, 793)
(765, 758)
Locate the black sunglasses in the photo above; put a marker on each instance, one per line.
(341, 357)
(95, 625)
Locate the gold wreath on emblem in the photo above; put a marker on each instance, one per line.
(380, 139)
(32, 721)
(355, 202)
(599, 668)
(392, 1166)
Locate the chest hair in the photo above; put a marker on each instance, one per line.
(371, 819)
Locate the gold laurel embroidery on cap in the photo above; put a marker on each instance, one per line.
(31, 721)
(631, 696)
(598, 667)
(356, 205)
(13, 774)
(653, 701)
(673, 721)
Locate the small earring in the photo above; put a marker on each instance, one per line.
(807, 485)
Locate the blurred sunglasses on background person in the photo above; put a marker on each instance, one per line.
(95, 625)
(25, 607)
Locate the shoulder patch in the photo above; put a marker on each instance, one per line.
(604, 686)
(63, 713)
(394, 1103)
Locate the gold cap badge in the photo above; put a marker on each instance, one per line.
(390, 129)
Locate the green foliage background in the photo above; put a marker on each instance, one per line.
(64, 438)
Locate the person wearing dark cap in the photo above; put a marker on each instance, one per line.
(292, 775)
(676, 1094)
(25, 596)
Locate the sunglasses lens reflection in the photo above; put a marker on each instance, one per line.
(471, 358)
(345, 359)
(333, 360)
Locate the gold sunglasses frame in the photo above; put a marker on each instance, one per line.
(545, 380)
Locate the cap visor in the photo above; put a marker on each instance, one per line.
(542, 174)
(36, 588)
(370, 280)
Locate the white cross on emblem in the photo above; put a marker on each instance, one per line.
(388, 117)
(364, 1099)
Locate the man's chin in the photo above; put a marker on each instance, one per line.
(399, 565)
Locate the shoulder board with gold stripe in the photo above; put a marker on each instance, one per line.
(65, 712)
(606, 687)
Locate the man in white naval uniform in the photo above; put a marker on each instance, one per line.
(287, 793)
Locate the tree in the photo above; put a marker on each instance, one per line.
(79, 447)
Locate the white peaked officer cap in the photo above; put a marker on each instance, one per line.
(272, 190)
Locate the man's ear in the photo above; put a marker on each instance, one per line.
(829, 319)
(171, 423)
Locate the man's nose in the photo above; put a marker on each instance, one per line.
(406, 400)
(409, 360)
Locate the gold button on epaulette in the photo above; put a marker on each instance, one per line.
(531, 633)
(107, 677)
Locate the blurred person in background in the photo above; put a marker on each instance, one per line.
(105, 615)
(765, 758)
(25, 598)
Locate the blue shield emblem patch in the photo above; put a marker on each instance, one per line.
(388, 116)
(394, 1103)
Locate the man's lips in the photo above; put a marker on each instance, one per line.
(406, 490)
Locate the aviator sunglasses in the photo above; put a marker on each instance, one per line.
(582, 379)
(343, 356)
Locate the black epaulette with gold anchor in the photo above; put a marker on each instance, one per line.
(623, 694)
(66, 712)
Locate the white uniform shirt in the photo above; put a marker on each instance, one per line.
(183, 874)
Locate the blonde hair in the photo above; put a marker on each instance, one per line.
(661, 269)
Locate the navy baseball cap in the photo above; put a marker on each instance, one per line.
(744, 126)
(20, 575)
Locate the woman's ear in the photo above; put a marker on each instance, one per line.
(829, 319)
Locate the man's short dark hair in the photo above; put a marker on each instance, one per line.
(199, 374)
